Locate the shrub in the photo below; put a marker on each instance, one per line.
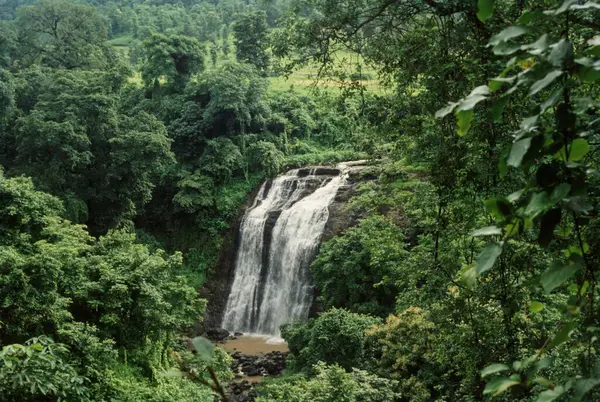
(39, 369)
(331, 383)
(335, 337)
(264, 157)
(358, 270)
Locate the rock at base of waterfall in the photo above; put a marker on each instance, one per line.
(251, 369)
(217, 334)
(271, 364)
(318, 171)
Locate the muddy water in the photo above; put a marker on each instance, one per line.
(255, 345)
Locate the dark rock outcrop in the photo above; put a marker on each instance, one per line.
(318, 171)
(217, 334)
(340, 217)
(271, 364)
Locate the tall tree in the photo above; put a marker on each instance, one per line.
(60, 33)
(173, 58)
(251, 39)
(74, 143)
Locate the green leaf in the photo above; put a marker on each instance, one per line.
(578, 149)
(497, 83)
(445, 111)
(515, 196)
(468, 276)
(487, 231)
(544, 382)
(551, 394)
(562, 335)
(477, 95)
(526, 126)
(561, 54)
(507, 34)
(530, 16)
(586, 6)
(557, 274)
(486, 9)
(487, 258)
(499, 207)
(464, 119)
(579, 204)
(518, 151)
(539, 46)
(583, 386)
(536, 306)
(538, 204)
(560, 192)
(588, 74)
(551, 101)
(204, 347)
(499, 385)
(563, 7)
(572, 5)
(493, 369)
(544, 82)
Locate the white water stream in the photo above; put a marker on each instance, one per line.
(279, 237)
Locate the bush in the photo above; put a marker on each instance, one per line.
(221, 160)
(358, 270)
(406, 351)
(37, 370)
(346, 341)
(331, 383)
(264, 157)
(296, 113)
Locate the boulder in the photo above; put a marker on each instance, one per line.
(326, 171)
(318, 171)
(217, 334)
(271, 364)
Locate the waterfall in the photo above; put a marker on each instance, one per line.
(279, 237)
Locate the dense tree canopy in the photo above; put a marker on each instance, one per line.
(59, 33)
(250, 32)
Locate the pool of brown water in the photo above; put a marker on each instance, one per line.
(254, 345)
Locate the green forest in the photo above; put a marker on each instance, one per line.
(134, 133)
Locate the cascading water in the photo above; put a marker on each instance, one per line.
(279, 236)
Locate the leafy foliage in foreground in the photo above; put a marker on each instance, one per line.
(39, 368)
